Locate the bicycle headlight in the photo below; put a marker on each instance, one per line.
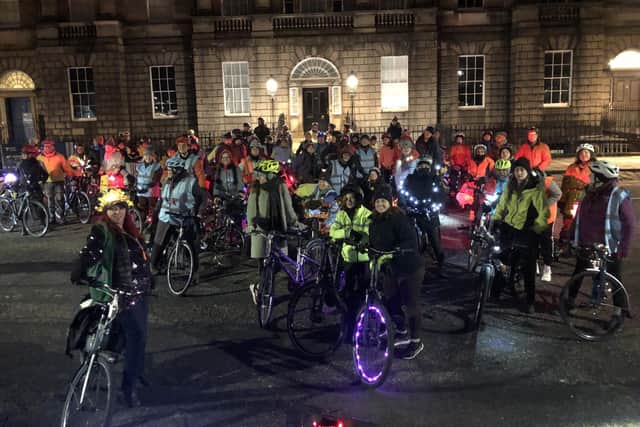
(10, 178)
(496, 249)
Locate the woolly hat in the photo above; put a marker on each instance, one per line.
(383, 192)
(522, 162)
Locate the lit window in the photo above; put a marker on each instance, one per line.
(83, 93)
(163, 91)
(557, 77)
(468, 4)
(394, 78)
(471, 81)
(236, 88)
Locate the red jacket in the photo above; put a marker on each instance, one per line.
(539, 155)
(483, 169)
(460, 155)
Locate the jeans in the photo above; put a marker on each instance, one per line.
(545, 245)
(133, 322)
(55, 199)
(432, 230)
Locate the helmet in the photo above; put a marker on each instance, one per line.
(587, 147)
(477, 146)
(502, 164)
(268, 166)
(604, 168)
(256, 143)
(459, 134)
(425, 159)
(321, 134)
(176, 162)
(111, 197)
(30, 150)
(406, 143)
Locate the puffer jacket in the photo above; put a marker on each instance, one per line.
(528, 209)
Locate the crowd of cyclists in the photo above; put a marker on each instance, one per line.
(364, 191)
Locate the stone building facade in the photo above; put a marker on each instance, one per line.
(80, 68)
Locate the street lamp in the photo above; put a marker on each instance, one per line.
(352, 84)
(272, 88)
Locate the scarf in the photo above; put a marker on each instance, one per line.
(274, 221)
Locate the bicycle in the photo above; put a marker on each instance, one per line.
(21, 207)
(304, 269)
(89, 397)
(316, 312)
(223, 234)
(76, 201)
(374, 331)
(604, 294)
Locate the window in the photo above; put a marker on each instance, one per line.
(468, 4)
(236, 88)
(294, 102)
(336, 100)
(10, 12)
(163, 91)
(557, 77)
(337, 6)
(83, 93)
(393, 4)
(394, 79)
(287, 6)
(314, 6)
(471, 81)
(235, 7)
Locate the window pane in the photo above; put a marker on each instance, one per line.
(154, 72)
(566, 70)
(547, 97)
(478, 100)
(72, 74)
(564, 84)
(564, 97)
(88, 73)
(566, 58)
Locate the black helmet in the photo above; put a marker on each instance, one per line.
(354, 189)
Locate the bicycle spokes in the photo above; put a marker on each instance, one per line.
(373, 341)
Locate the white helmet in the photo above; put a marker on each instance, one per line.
(606, 169)
(587, 147)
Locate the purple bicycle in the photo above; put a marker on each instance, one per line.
(374, 330)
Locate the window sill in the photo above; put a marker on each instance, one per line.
(84, 120)
(237, 114)
(165, 117)
(556, 105)
(392, 110)
(470, 107)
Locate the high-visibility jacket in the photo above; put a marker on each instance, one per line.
(483, 168)
(342, 227)
(539, 155)
(178, 200)
(57, 167)
(460, 155)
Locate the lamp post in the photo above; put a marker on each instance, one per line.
(272, 88)
(352, 85)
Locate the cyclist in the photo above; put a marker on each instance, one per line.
(605, 215)
(269, 208)
(180, 196)
(115, 255)
(367, 156)
(406, 163)
(305, 164)
(545, 239)
(148, 174)
(428, 146)
(352, 223)
(536, 152)
(373, 181)
(481, 165)
(498, 180)
(112, 166)
(423, 191)
(460, 153)
(31, 173)
(523, 210)
(343, 169)
(57, 168)
(84, 161)
(248, 164)
(391, 229)
(192, 162)
(388, 155)
(576, 178)
(500, 140)
(324, 197)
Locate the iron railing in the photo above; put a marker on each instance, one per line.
(76, 31)
(312, 22)
(622, 121)
(232, 25)
(558, 14)
(395, 20)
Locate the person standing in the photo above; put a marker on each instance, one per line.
(148, 174)
(261, 131)
(58, 168)
(500, 140)
(115, 255)
(536, 152)
(428, 146)
(367, 156)
(395, 129)
(576, 178)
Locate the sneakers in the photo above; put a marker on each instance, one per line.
(401, 338)
(412, 350)
(546, 274)
(253, 290)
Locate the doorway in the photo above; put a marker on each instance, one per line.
(315, 107)
(20, 121)
(624, 110)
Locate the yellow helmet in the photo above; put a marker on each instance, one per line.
(268, 166)
(112, 196)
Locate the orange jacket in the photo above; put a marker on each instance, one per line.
(482, 169)
(387, 157)
(460, 155)
(580, 171)
(57, 167)
(539, 156)
(553, 208)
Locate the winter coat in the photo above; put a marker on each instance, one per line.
(342, 227)
(460, 155)
(57, 167)
(394, 131)
(281, 154)
(484, 168)
(305, 166)
(539, 155)
(392, 230)
(388, 157)
(227, 182)
(430, 148)
(575, 179)
(528, 209)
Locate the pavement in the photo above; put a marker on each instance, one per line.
(211, 365)
(629, 165)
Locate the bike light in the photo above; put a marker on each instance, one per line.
(10, 178)
(435, 190)
(496, 249)
(574, 209)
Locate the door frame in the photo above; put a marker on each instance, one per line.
(4, 120)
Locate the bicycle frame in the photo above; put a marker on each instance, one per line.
(286, 263)
(599, 260)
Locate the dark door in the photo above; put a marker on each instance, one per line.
(20, 117)
(624, 115)
(315, 107)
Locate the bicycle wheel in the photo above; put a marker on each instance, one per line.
(180, 268)
(311, 261)
(7, 216)
(315, 320)
(373, 344)
(266, 295)
(35, 219)
(95, 409)
(484, 281)
(599, 307)
(231, 241)
(82, 207)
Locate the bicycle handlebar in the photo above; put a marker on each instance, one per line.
(106, 289)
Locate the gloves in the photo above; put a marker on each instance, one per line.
(356, 236)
